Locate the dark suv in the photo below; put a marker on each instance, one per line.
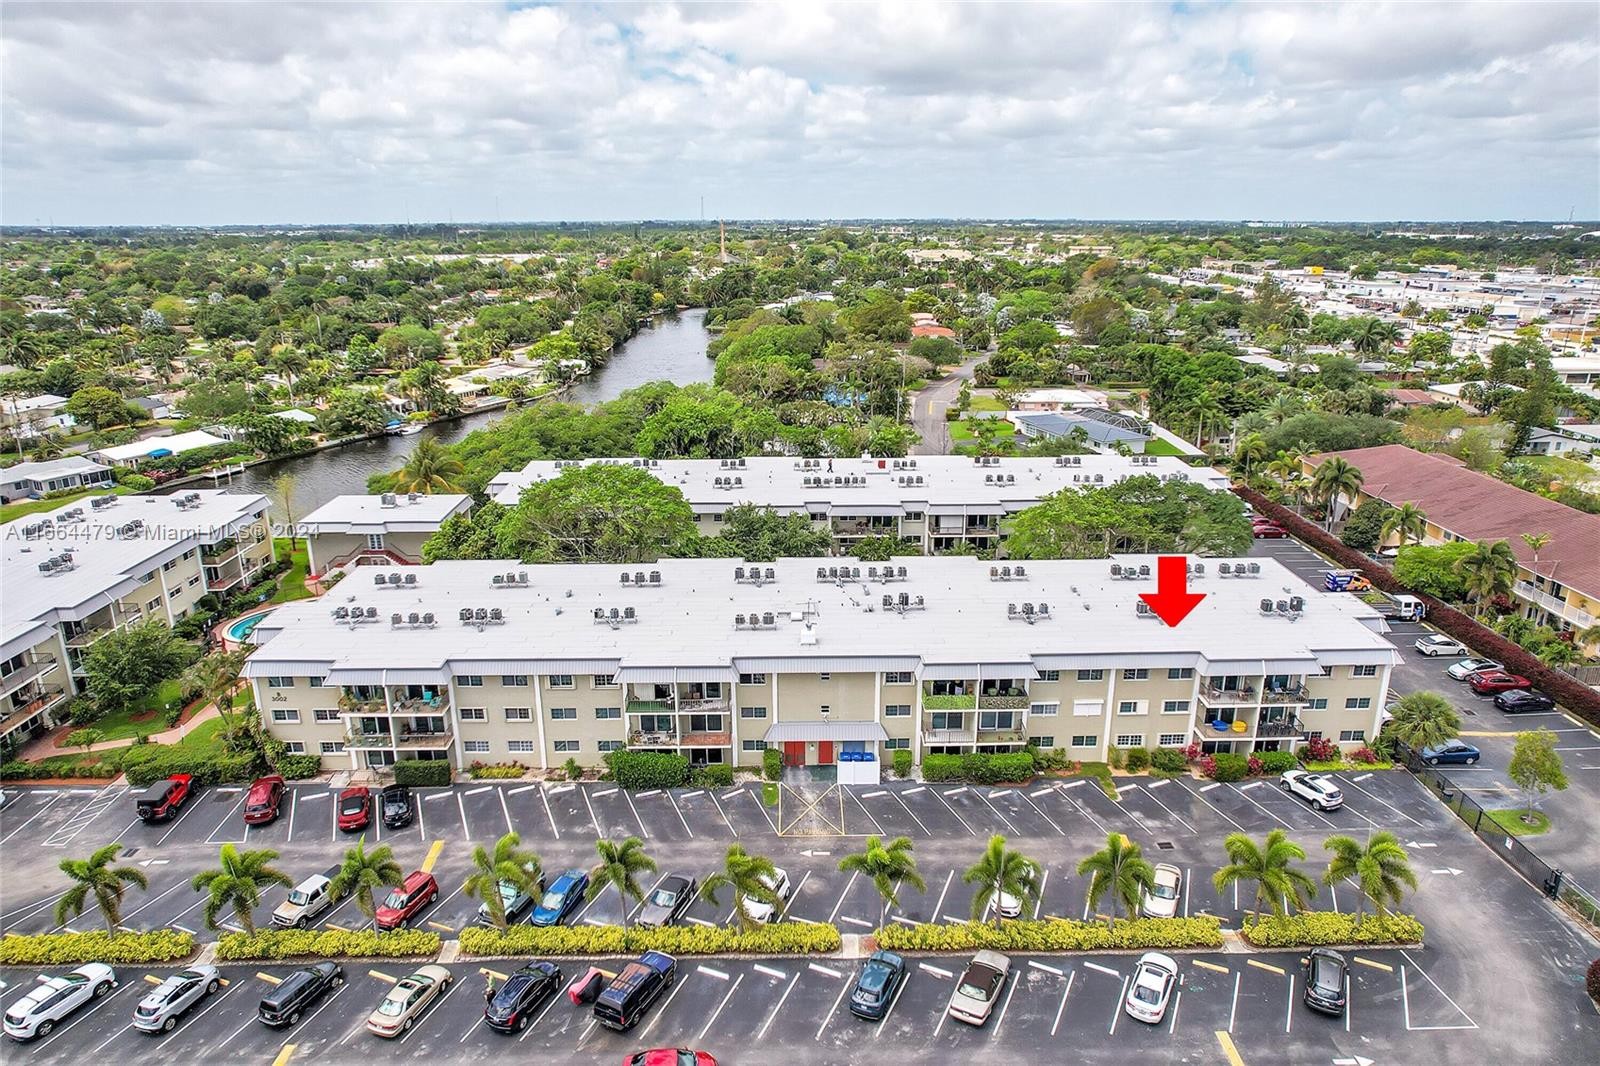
(164, 799)
(1326, 978)
(398, 805)
(511, 1006)
(299, 992)
(633, 991)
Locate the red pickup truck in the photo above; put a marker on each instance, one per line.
(163, 799)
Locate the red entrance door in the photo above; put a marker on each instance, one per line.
(824, 753)
(794, 753)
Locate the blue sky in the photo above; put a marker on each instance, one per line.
(217, 113)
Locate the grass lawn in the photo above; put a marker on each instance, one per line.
(204, 736)
(1568, 470)
(961, 431)
(986, 402)
(143, 718)
(23, 508)
(1158, 446)
(1510, 819)
(292, 585)
(1333, 765)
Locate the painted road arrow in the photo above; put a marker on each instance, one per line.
(1172, 601)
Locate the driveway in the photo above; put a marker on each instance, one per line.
(929, 404)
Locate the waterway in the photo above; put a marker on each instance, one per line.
(670, 349)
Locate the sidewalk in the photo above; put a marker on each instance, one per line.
(45, 747)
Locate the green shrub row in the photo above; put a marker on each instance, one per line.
(327, 944)
(299, 767)
(147, 763)
(902, 762)
(978, 768)
(422, 773)
(61, 766)
(1311, 929)
(1226, 766)
(638, 770)
(782, 938)
(69, 949)
(1056, 934)
(712, 775)
(1276, 762)
(479, 771)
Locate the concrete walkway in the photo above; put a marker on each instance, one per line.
(44, 747)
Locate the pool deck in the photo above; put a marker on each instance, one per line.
(220, 631)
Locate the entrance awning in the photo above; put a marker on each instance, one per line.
(796, 731)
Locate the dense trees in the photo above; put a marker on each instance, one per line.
(600, 514)
(1141, 514)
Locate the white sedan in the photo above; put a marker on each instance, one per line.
(759, 910)
(1315, 789)
(1154, 980)
(55, 998)
(1438, 644)
(1464, 669)
(1162, 899)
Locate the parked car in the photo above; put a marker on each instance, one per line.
(1492, 681)
(1524, 701)
(1433, 644)
(162, 1006)
(513, 1005)
(355, 808)
(1315, 789)
(632, 992)
(561, 899)
(1463, 670)
(979, 987)
(1451, 753)
(1326, 978)
(670, 1056)
(307, 900)
(299, 992)
(54, 999)
(407, 1000)
(404, 903)
(1150, 990)
(398, 806)
(759, 910)
(164, 799)
(1008, 905)
(516, 902)
(668, 902)
(262, 801)
(880, 978)
(1268, 531)
(1162, 899)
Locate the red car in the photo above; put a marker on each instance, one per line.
(262, 801)
(670, 1056)
(403, 904)
(1491, 681)
(163, 799)
(1270, 530)
(355, 808)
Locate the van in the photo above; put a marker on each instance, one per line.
(298, 993)
(633, 991)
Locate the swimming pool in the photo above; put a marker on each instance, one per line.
(240, 630)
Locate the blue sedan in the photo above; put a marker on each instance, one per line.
(560, 899)
(1451, 753)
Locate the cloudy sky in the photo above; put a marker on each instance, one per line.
(272, 112)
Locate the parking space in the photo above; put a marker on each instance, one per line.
(614, 811)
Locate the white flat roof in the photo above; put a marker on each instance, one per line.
(369, 514)
(176, 443)
(49, 468)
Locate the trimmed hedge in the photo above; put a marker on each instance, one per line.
(1592, 981)
(1056, 934)
(299, 767)
(327, 944)
(1276, 762)
(1227, 766)
(148, 763)
(419, 773)
(637, 770)
(978, 768)
(1310, 929)
(772, 764)
(1168, 760)
(902, 762)
(783, 938)
(68, 949)
(712, 775)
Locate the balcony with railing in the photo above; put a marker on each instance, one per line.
(26, 704)
(1010, 735)
(950, 695)
(27, 672)
(220, 552)
(1217, 696)
(650, 706)
(1271, 724)
(1557, 606)
(431, 702)
(1002, 697)
(653, 738)
(403, 738)
(85, 637)
(1291, 693)
(705, 739)
(706, 705)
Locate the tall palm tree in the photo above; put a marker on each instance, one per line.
(1283, 406)
(1424, 720)
(507, 863)
(1119, 868)
(1333, 478)
(1487, 570)
(1251, 449)
(1267, 866)
(619, 868)
(1002, 870)
(364, 871)
(237, 882)
(743, 873)
(107, 883)
(1408, 520)
(886, 866)
(1380, 868)
(1537, 542)
(1205, 411)
(429, 468)
(216, 676)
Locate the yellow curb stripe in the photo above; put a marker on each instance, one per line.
(269, 979)
(1385, 967)
(433, 856)
(1229, 1052)
(1210, 966)
(441, 927)
(284, 1055)
(1258, 964)
(341, 928)
(380, 975)
(152, 979)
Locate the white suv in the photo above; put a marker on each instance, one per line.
(1315, 789)
(55, 998)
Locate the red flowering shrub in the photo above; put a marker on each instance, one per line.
(1318, 749)
(1593, 980)
(1192, 752)
(1364, 754)
(1208, 766)
(1253, 767)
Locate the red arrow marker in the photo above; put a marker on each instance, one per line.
(1172, 601)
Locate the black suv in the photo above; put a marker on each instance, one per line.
(1326, 977)
(398, 806)
(512, 1005)
(635, 990)
(298, 993)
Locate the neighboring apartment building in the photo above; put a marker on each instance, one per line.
(95, 565)
(1561, 590)
(938, 501)
(720, 660)
(52, 475)
(385, 529)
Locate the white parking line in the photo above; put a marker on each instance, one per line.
(777, 1007)
(1062, 1009)
(914, 791)
(1169, 810)
(1038, 904)
(592, 819)
(555, 998)
(629, 797)
(722, 812)
(479, 789)
(709, 972)
(520, 789)
(770, 972)
(866, 812)
(432, 1007)
(998, 813)
(461, 805)
(194, 804)
(1103, 969)
(826, 1018)
(1177, 1001)
(1352, 783)
(712, 1020)
(952, 810)
(817, 966)
(874, 795)
(947, 879)
(1208, 788)
(835, 912)
(679, 811)
(1016, 979)
(1407, 1002)
(908, 810)
(884, 1024)
(1047, 968)
(226, 992)
(1288, 1010)
(51, 802)
(1233, 1011)
(604, 792)
(1116, 1011)
(662, 1010)
(955, 791)
(211, 838)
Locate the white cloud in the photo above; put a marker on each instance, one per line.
(331, 112)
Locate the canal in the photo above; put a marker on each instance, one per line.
(670, 349)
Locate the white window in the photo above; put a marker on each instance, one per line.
(1180, 673)
(521, 746)
(1358, 703)
(1369, 670)
(333, 747)
(153, 604)
(1088, 708)
(609, 745)
(1318, 704)
(753, 745)
(563, 714)
(897, 710)
(1086, 740)
(1175, 707)
(560, 680)
(280, 682)
(605, 680)
(1315, 734)
(193, 581)
(752, 712)
(1047, 709)
(897, 677)
(1140, 674)
(514, 680)
(476, 747)
(1172, 740)
(1049, 675)
(316, 682)
(608, 713)
(752, 679)
(469, 681)
(285, 714)
(1133, 707)
(563, 746)
(1350, 735)
(519, 714)
(1043, 742)
(326, 714)
(294, 747)
(1091, 675)
(1130, 740)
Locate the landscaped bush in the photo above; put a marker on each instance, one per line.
(712, 775)
(1114, 756)
(480, 771)
(772, 764)
(1592, 981)
(1138, 760)
(978, 768)
(636, 770)
(1226, 766)
(69, 949)
(1311, 929)
(147, 763)
(902, 762)
(420, 773)
(783, 938)
(1276, 762)
(1056, 934)
(1317, 749)
(327, 944)
(299, 767)
(1168, 761)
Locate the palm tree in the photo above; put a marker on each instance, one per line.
(506, 864)
(1267, 867)
(1380, 868)
(886, 866)
(1424, 720)
(237, 882)
(1204, 411)
(1251, 449)
(743, 873)
(217, 678)
(1536, 541)
(1118, 868)
(1002, 871)
(1408, 520)
(95, 875)
(1283, 406)
(619, 867)
(1371, 335)
(1487, 570)
(1335, 477)
(364, 871)
(429, 468)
